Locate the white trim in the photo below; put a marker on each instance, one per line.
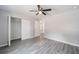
(5, 44)
(9, 31)
(21, 28)
(62, 41)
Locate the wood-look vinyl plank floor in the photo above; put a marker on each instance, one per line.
(39, 45)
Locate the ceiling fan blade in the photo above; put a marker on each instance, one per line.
(37, 13)
(43, 13)
(38, 7)
(47, 10)
(33, 10)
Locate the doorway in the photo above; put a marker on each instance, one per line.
(15, 25)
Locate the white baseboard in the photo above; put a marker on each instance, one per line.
(32, 37)
(62, 41)
(1, 45)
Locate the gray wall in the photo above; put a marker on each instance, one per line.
(63, 27)
(3, 30)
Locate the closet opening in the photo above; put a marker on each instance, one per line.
(14, 30)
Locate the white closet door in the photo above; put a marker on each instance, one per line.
(26, 29)
(37, 28)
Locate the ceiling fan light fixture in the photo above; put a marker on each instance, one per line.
(40, 12)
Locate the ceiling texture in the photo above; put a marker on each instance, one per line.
(24, 9)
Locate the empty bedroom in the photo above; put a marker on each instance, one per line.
(39, 29)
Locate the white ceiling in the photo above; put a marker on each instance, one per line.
(25, 8)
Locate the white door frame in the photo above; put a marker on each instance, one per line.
(9, 30)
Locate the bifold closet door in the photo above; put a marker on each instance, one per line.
(26, 29)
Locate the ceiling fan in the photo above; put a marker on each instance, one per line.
(40, 10)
